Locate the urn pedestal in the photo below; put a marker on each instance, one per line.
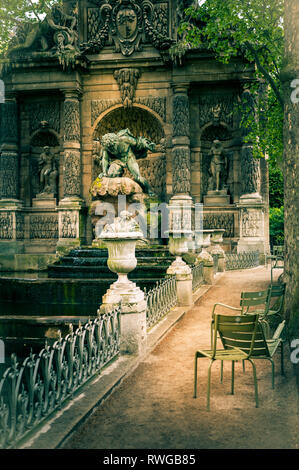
(121, 260)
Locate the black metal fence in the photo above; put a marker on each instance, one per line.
(244, 260)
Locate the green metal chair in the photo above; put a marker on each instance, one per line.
(241, 333)
(277, 292)
(234, 330)
(257, 302)
(276, 259)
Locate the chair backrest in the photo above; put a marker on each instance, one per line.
(254, 299)
(278, 250)
(236, 331)
(277, 292)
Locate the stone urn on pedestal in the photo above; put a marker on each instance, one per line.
(120, 238)
(178, 246)
(215, 249)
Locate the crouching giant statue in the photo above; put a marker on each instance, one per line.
(122, 150)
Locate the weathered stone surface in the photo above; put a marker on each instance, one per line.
(114, 186)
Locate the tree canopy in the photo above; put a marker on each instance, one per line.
(14, 14)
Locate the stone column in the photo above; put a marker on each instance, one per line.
(251, 207)
(181, 167)
(11, 231)
(70, 223)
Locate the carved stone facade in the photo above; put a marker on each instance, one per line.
(106, 66)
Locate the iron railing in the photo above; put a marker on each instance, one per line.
(243, 260)
(30, 392)
(160, 300)
(197, 276)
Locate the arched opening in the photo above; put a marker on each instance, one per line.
(141, 123)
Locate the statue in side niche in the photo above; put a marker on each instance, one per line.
(218, 167)
(47, 172)
(122, 150)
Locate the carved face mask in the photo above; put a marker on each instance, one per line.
(126, 21)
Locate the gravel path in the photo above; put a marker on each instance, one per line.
(154, 407)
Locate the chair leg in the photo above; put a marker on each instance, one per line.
(255, 383)
(209, 385)
(281, 358)
(195, 376)
(273, 372)
(221, 372)
(243, 367)
(233, 376)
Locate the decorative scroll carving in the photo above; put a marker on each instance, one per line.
(71, 120)
(9, 175)
(44, 226)
(127, 80)
(252, 223)
(71, 177)
(46, 114)
(6, 226)
(224, 221)
(139, 121)
(154, 171)
(127, 25)
(99, 106)
(181, 170)
(180, 115)
(68, 227)
(156, 103)
(217, 108)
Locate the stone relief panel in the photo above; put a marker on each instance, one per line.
(9, 122)
(43, 226)
(127, 25)
(6, 226)
(8, 175)
(252, 223)
(250, 171)
(20, 226)
(68, 224)
(224, 221)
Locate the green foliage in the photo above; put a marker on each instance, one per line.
(276, 192)
(251, 29)
(276, 219)
(15, 15)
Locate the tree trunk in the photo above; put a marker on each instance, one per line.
(290, 77)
